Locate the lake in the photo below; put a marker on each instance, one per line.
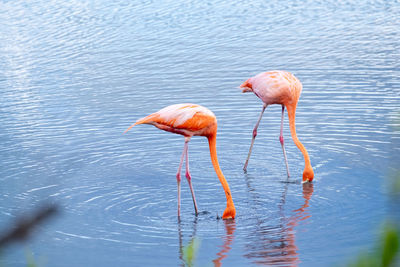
(75, 74)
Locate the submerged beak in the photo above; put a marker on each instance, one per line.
(307, 180)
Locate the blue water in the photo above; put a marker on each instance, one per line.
(74, 75)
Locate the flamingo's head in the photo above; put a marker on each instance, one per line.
(229, 213)
(308, 175)
(247, 86)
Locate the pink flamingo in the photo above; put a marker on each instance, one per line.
(279, 87)
(189, 120)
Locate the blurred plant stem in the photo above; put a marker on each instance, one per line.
(24, 225)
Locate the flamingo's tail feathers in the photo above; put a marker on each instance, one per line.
(146, 120)
(130, 127)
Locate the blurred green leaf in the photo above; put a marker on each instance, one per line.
(190, 251)
(390, 245)
(386, 253)
(30, 261)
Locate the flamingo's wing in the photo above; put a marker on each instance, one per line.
(190, 117)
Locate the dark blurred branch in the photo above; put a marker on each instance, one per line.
(26, 224)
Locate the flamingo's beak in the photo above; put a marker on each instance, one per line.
(308, 175)
(246, 87)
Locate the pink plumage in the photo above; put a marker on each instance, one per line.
(191, 120)
(283, 88)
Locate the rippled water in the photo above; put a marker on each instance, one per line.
(74, 75)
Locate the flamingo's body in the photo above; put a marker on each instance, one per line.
(189, 120)
(283, 88)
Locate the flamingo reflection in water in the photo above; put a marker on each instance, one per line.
(275, 244)
(230, 228)
(188, 253)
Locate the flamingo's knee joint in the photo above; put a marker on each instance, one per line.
(254, 132)
(281, 140)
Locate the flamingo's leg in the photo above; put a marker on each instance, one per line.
(254, 137)
(178, 179)
(188, 176)
(282, 141)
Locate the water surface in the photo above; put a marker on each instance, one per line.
(74, 75)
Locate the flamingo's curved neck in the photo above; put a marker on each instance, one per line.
(212, 141)
(292, 118)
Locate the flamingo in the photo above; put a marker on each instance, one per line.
(279, 87)
(189, 120)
